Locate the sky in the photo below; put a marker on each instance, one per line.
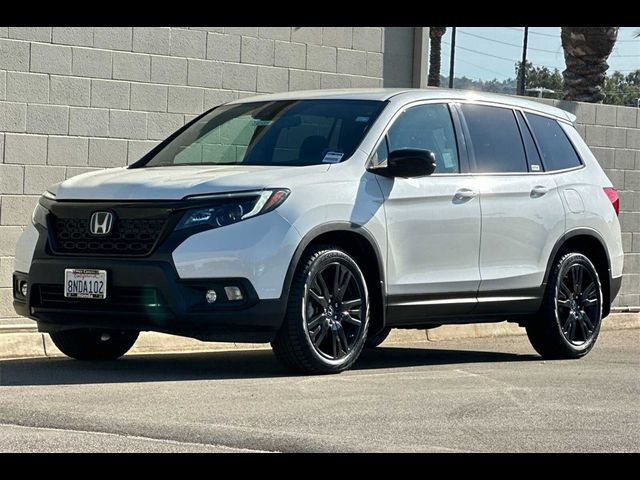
(544, 49)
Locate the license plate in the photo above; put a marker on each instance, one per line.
(85, 283)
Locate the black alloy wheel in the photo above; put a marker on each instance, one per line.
(569, 320)
(578, 304)
(327, 317)
(333, 310)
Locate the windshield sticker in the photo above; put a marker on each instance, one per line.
(362, 119)
(332, 157)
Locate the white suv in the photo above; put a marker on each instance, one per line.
(318, 221)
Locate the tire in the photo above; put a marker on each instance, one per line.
(571, 313)
(94, 344)
(374, 340)
(317, 336)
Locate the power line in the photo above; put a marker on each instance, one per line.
(507, 43)
(483, 68)
(498, 57)
(481, 53)
(518, 29)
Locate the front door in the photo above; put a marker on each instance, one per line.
(433, 222)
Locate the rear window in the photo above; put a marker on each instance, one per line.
(495, 138)
(556, 149)
(291, 133)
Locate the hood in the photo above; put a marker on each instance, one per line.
(174, 183)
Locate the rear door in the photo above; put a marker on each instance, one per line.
(522, 213)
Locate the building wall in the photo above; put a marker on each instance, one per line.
(74, 99)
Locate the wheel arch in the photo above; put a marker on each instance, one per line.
(590, 243)
(358, 241)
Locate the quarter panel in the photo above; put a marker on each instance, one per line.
(598, 214)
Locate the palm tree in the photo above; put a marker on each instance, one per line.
(586, 50)
(435, 37)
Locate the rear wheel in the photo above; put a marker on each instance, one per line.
(572, 310)
(327, 315)
(94, 344)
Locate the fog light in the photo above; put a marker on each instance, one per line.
(211, 296)
(24, 287)
(233, 293)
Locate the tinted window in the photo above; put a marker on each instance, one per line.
(557, 151)
(495, 138)
(427, 127)
(296, 133)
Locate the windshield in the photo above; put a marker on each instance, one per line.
(291, 133)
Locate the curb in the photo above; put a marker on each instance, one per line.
(23, 340)
(615, 321)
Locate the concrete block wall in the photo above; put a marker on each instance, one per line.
(74, 99)
(613, 134)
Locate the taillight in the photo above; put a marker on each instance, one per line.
(612, 193)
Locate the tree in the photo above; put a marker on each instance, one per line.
(622, 90)
(586, 50)
(541, 77)
(435, 54)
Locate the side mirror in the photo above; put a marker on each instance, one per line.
(410, 162)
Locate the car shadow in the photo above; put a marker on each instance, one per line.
(219, 366)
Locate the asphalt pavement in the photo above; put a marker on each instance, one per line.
(489, 394)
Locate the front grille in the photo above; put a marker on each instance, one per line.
(119, 299)
(129, 237)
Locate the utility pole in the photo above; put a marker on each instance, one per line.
(523, 65)
(452, 56)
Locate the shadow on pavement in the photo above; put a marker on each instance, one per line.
(218, 366)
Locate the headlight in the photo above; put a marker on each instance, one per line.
(233, 208)
(39, 216)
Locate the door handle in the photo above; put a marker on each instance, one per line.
(538, 191)
(465, 194)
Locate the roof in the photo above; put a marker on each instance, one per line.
(412, 94)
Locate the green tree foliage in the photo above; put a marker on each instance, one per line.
(622, 90)
(543, 77)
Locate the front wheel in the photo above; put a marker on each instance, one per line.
(327, 318)
(376, 339)
(571, 313)
(94, 344)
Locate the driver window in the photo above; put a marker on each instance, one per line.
(427, 127)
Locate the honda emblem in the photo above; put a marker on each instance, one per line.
(101, 223)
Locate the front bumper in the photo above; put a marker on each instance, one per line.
(177, 307)
(165, 290)
(144, 294)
